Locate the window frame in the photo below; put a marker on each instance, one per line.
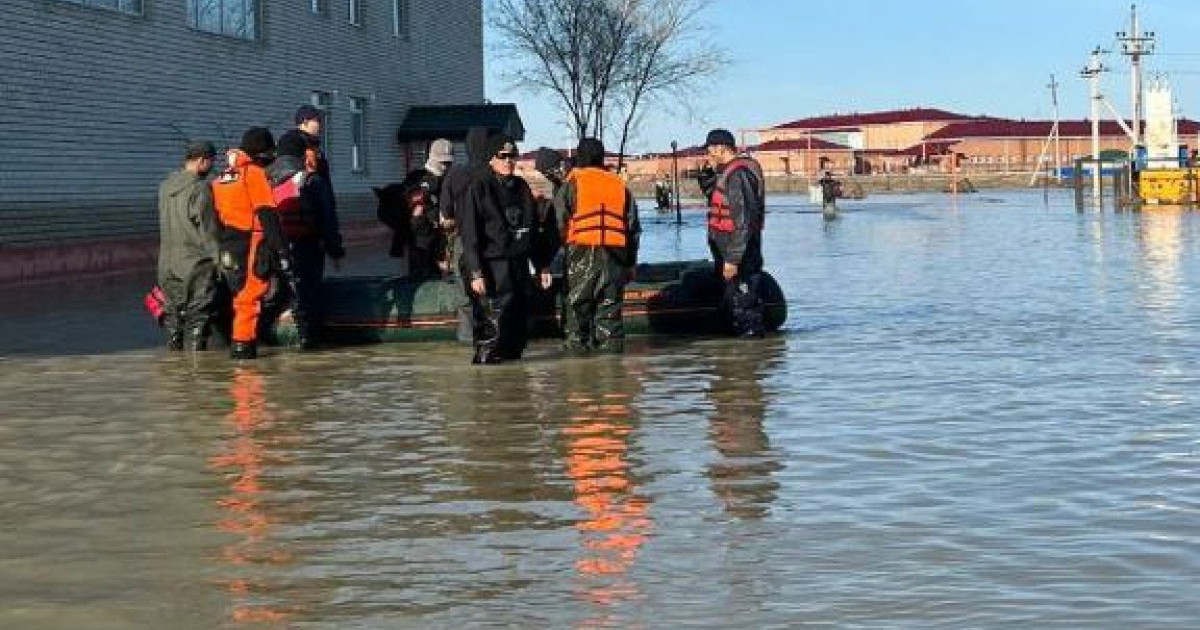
(319, 7)
(354, 10)
(401, 19)
(96, 4)
(358, 134)
(253, 11)
(323, 101)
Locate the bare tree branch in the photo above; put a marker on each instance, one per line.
(605, 60)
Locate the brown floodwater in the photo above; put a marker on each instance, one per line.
(979, 415)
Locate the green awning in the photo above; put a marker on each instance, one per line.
(426, 123)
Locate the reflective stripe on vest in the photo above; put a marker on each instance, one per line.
(599, 217)
(719, 217)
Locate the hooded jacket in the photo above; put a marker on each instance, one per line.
(189, 231)
(458, 176)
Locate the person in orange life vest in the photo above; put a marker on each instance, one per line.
(253, 247)
(599, 217)
(737, 209)
(187, 256)
(497, 219)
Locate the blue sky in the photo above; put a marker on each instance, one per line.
(798, 58)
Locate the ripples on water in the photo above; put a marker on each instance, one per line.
(979, 416)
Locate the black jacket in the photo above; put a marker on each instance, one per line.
(497, 219)
(319, 200)
(747, 207)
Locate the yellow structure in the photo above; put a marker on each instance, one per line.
(1174, 186)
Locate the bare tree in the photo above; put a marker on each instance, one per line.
(604, 60)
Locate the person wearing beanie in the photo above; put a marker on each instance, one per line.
(253, 247)
(737, 210)
(599, 217)
(308, 214)
(189, 238)
(419, 232)
(498, 220)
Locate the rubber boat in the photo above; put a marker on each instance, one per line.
(672, 299)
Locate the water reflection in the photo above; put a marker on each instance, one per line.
(616, 522)
(743, 475)
(1160, 241)
(243, 460)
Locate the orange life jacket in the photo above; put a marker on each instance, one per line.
(599, 217)
(239, 192)
(719, 217)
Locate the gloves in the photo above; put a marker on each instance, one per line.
(707, 178)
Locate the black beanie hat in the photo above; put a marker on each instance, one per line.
(590, 152)
(257, 141)
(720, 137)
(291, 144)
(547, 159)
(500, 143)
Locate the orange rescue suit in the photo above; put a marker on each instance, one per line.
(239, 194)
(719, 217)
(599, 218)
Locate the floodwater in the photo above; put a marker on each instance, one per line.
(981, 414)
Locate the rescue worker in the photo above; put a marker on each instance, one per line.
(253, 247)
(302, 199)
(599, 217)
(416, 222)
(737, 209)
(497, 220)
(310, 223)
(188, 245)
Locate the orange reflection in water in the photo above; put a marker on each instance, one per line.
(243, 462)
(616, 522)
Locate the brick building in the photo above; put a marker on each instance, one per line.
(100, 96)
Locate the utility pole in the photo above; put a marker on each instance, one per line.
(1092, 73)
(1054, 130)
(1134, 44)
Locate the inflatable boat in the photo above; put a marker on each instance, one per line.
(673, 298)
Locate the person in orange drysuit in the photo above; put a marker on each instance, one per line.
(253, 248)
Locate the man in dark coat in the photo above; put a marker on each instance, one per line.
(189, 243)
(737, 210)
(599, 218)
(308, 214)
(497, 218)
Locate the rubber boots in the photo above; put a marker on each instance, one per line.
(243, 350)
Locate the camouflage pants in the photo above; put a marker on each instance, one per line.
(595, 295)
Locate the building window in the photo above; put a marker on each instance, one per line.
(358, 134)
(133, 7)
(235, 18)
(400, 18)
(354, 12)
(318, 7)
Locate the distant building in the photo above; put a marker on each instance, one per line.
(100, 96)
(908, 140)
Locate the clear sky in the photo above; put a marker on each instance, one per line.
(799, 58)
